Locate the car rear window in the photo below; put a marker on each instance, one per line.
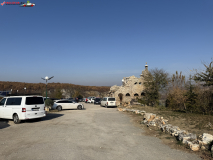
(14, 101)
(97, 99)
(111, 99)
(34, 100)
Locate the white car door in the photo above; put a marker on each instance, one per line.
(103, 102)
(72, 105)
(8, 106)
(61, 103)
(2, 108)
(65, 105)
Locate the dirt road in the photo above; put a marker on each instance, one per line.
(94, 133)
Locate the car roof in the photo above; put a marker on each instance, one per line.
(23, 96)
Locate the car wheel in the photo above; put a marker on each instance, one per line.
(105, 106)
(59, 108)
(16, 119)
(79, 107)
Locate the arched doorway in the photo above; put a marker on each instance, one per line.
(120, 95)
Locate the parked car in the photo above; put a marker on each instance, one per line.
(92, 100)
(84, 100)
(66, 104)
(80, 100)
(22, 107)
(97, 101)
(108, 102)
(89, 100)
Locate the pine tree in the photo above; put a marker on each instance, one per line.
(206, 76)
(191, 97)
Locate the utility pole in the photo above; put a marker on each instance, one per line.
(47, 78)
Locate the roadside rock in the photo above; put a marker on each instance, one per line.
(195, 147)
(151, 123)
(152, 117)
(185, 140)
(206, 138)
(147, 116)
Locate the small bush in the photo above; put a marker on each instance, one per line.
(48, 102)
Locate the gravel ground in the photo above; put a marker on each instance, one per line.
(94, 133)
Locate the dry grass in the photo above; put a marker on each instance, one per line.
(193, 123)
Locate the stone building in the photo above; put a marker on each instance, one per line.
(131, 89)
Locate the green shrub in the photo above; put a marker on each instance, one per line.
(49, 102)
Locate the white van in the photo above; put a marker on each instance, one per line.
(108, 102)
(22, 107)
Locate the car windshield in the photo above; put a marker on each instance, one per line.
(97, 99)
(34, 100)
(111, 99)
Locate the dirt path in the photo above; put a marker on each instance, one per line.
(95, 133)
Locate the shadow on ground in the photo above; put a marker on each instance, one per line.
(4, 123)
(49, 116)
(73, 109)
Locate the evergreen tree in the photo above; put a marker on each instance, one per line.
(191, 97)
(206, 76)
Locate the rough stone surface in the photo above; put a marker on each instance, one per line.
(131, 89)
(152, 117)
(207, 138)
(185, 139)
(147, 116)
(195, 147)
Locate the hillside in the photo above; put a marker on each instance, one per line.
(66, 88)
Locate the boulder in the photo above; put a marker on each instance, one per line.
(189, 143)
(195, 147)
(165, 127)
(203, 148)
(174, 129)
(137, 111)
(180, 134)
(151, 123)
(144, 122)
(147, 115)
(207, 138)
(185, 140)
(152, 117)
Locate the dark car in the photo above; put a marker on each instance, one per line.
(97, 101)
(80, 100)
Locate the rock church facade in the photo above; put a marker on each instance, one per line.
(131, 89)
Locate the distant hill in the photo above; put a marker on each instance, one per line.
(41, 87)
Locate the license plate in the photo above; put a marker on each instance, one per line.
(111, 102)
(35, 109)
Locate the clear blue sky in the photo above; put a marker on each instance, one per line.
(98, 42)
